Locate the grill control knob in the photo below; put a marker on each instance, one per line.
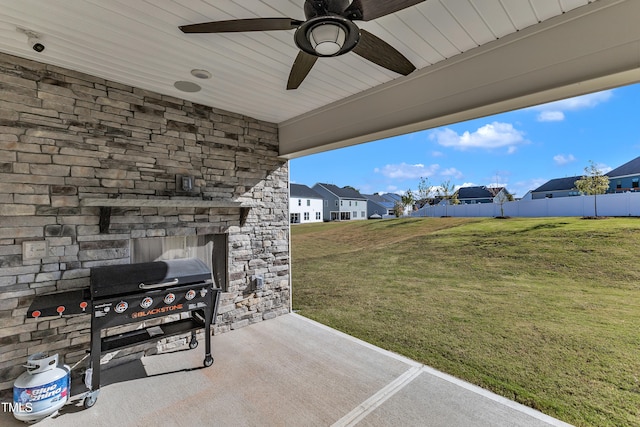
(146, 302)
(191, 294)
(121, 307)
(169, 298)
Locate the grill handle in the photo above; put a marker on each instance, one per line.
(159, 285)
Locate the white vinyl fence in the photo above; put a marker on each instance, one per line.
(624, 204)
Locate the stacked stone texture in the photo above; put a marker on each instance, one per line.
(67, 136)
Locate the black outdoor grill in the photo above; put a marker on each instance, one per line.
(125, 294)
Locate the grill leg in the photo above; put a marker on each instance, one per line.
(208, 358)
(96, 349)
(208, 314)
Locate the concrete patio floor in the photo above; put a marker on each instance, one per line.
(289, 371)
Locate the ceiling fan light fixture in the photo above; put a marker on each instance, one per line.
(327, 38)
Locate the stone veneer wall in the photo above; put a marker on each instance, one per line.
(66, 136)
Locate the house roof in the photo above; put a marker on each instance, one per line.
(392, 197)
(480, 192)
(344, 192)
(303, 192)
(558, 184)
(630, 168)
(382, 201)
(473, 59)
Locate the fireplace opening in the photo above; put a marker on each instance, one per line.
(211, 249)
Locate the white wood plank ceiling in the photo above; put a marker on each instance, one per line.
(137, 42)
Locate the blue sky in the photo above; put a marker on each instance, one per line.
(520, 150)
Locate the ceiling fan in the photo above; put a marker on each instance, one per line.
(328, 31)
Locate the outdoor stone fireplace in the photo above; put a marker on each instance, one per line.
(94, 172)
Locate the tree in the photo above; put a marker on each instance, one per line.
(424, 190)
(446, 191)
(407, 199)
(398, 209)
(501, 194)
(594, 182)
(502, 197)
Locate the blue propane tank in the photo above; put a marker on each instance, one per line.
(42, 390)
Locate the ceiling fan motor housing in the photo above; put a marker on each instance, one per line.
(314, 8)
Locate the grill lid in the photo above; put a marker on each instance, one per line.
(131, 278)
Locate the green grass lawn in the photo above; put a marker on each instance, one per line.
(543, 311)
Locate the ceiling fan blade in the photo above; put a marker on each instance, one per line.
(382, 53)
(367, 10)
(241, 25)
(301, 67)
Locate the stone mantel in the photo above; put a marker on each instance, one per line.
(105, 205)
(162, 203)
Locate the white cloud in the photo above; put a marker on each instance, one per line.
(561, 159)
(453, 172)
(551, 116)
(554, 111)
(490, 136)
(407, 171)
(437, 154)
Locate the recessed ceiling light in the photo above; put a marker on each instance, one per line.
(201, 74)
(185, 86)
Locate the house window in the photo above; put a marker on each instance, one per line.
(299, 202)
(295, 218)
(326, 203)
(306, 216)
(336, 203)
(355, 214)
(349, 202)
(634, 183)
(345, 216)
(308, 202)
(318, 216)
(619, 184)
(363, 214)
(340, 202)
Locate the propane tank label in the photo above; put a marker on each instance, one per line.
(41, 397)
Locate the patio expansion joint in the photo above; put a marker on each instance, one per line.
(369, 405)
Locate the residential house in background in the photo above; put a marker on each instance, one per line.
(625, 178)
(380, 204)
(621, 179)
(558, 187)
(341, 204)
(305, 205)
(482, 194)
